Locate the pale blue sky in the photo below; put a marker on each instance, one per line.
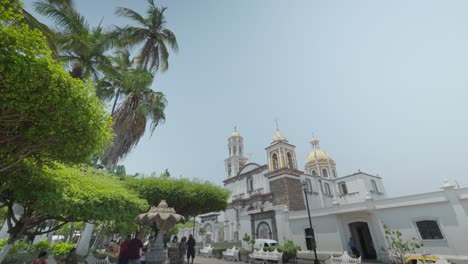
(382, 84)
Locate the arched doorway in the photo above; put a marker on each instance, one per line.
(208, 233)
(363, 239)
(263, 230)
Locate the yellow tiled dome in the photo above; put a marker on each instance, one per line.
(318, 154)
(235, 134)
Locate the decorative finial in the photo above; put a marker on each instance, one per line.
(235, 128)
(276, 121)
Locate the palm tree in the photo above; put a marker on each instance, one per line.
(151, 34)
(79, 45)
(140, 106)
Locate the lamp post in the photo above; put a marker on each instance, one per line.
(305, 188)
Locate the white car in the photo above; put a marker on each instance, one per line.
(262, 243)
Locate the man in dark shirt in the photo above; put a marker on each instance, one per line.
(134, 247)
(123, 252)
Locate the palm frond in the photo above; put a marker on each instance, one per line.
(130, 13)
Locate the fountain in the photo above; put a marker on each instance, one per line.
(163, 218)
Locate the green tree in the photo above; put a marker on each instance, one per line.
(151, 33)
(398, 248)
(81, 46)
(65, 194)
(140, 106)
(44, 113)
(189, 198)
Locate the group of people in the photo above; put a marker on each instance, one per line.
(186, 247)
(130, 251)
(71, 258)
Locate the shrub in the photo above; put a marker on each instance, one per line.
(398, 248)
(62, 249)
(218, 252)
(40, 246)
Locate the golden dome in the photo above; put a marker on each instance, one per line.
(278, 136)
(235, 134)
(318, 154)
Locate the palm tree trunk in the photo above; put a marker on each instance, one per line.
(115, 101)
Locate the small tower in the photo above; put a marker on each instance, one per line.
(236, 158)
(320, 163)
(283, 175)
(281, 154)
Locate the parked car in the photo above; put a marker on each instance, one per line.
(261, 243)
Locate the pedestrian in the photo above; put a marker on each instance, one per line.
(123, 252)
(71, 257)
(41, 258)
(182, 250)
(191, 249)
(352, 247)
(134, 247)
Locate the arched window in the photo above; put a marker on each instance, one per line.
(314, 173)
(374, 186)
(234, 151)
(334, 173)
(250, 184)
(240, 150)
(310, 238)
(229, 170)
(429, 229)
(274, 159)
(290, 161)
(327, 189)
(325, 173)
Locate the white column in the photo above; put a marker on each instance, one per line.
(83, 246)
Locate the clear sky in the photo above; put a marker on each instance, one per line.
(381, 84)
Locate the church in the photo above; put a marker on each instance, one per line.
(273, 201)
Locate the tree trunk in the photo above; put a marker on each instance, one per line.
(71, 233)
(83, 246)
(5, 250)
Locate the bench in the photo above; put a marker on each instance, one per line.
(231, 254)
(103, 261)
(206, 251)
(344, 259)
(266, 256)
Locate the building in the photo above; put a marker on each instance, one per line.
(268, 201)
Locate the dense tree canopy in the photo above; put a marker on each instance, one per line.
(189, 198)
(45, 114)
(66, 194)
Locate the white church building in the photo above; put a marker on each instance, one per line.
(268, 201)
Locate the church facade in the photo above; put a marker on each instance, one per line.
(273, 200)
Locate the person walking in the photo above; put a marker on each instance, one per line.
(191, 249)
(71, 257)
(134, 247)
(41, 258)
(352, 247)
(182, 250)
(123, 252)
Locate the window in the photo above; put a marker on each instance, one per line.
(310, 238)
(250, 184)
(321, 186)
(290, 161)
(374, 186)
(274, 159)
(234, 151)
(229, 170)
(334, 173)
(429, 229)
(314, 173)
(325, 173)
(327, 189)
(240, 150)
(343, 188)
(229, 152)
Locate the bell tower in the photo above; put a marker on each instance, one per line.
(236, 158)
(283, 175)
